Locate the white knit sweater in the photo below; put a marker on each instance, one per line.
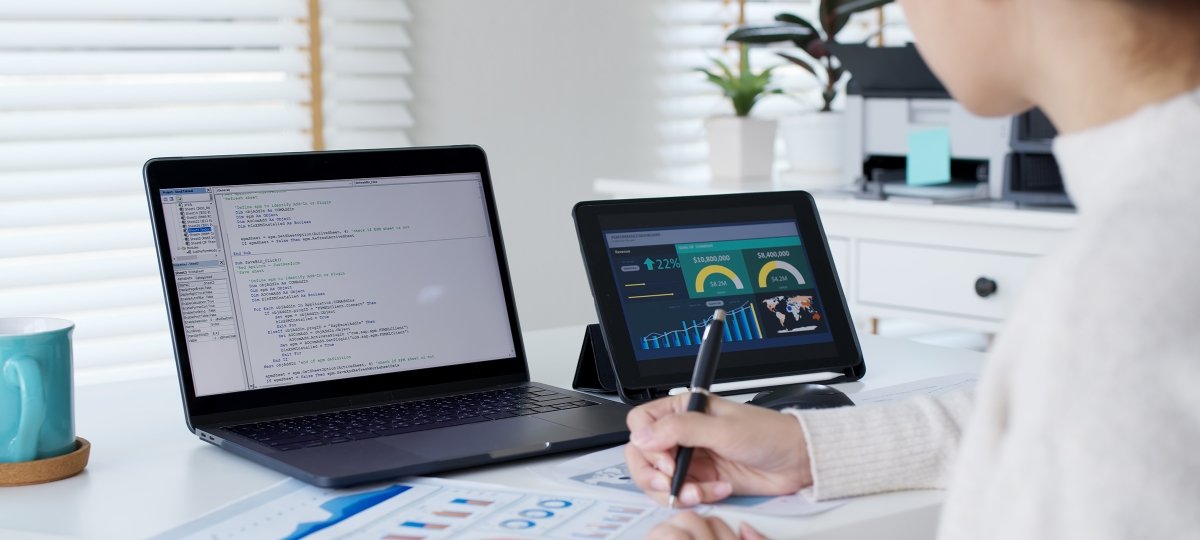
(1086, 422)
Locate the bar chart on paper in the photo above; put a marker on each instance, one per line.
(292, 510)
(423, 508)
(742, 325)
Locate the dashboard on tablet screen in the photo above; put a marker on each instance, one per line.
(670, 280)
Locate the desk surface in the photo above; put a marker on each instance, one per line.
(148, 473)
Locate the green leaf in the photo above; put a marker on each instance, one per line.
(742, 103)
(763, 79)
(725, 71)
(744, 62)
(744, 87)
(723, 84)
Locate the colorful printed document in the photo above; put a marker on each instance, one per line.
(421, 508)
(607, 469)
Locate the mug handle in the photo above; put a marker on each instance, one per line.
(24, 372)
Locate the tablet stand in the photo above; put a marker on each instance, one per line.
(595, 372)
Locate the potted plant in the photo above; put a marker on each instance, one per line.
(814, 142)
(741, 148)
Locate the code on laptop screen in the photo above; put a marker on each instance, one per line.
(283, 284)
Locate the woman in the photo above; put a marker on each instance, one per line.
(1086, 423)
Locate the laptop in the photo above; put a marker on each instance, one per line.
(346, 317)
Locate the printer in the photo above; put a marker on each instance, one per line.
(893, 93)
(1031, 174)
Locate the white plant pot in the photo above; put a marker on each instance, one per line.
(740, 149)
(815, 147)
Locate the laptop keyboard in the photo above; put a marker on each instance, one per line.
(394, 419)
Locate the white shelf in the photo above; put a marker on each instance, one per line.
(933, 252)
(991, 213)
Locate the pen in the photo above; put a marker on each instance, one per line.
(702, 377)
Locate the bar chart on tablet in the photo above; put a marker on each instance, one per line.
(743, 326)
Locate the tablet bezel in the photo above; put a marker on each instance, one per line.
(735, 366)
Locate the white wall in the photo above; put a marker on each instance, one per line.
(558, 92)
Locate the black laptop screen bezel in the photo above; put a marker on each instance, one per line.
(185, 172)
(594, 218)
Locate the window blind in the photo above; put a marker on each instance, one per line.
(90, 90)
(692, 33)
(366, 92)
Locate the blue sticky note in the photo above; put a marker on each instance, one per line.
(928, 157)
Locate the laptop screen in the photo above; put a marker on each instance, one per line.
(303, 282)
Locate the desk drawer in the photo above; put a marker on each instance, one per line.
(940, 280)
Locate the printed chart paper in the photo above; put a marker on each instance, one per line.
(607, 469)
(421, 508)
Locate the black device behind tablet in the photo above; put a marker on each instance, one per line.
(802, 396)
(658, 267)
(344, 317)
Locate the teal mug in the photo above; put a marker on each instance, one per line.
(36, 419)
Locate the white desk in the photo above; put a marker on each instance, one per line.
(148, 473)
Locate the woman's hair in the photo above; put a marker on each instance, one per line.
(1183, 14)
(1172, 31)
(1173, 5)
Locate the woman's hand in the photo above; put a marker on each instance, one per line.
(740, 449)
(692, 526)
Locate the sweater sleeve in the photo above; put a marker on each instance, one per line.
(889, 447)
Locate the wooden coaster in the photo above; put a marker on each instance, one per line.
(40, 471)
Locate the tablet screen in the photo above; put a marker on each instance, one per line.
(660, 267)
(671, 279)
(670, 269)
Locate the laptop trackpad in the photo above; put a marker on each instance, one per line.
(482, 438)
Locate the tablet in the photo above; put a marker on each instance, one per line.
(659, 267)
